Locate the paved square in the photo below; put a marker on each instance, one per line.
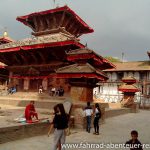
(115, 130)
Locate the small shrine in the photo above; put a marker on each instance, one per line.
(129, 89)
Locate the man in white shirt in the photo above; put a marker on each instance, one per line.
(88, 113)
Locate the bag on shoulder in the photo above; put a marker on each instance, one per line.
(98, 115)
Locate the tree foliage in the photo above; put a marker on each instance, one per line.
(113, 59)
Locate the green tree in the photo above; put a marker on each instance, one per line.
(112, 59)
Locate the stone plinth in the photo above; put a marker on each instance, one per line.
(79, 116)
(82, 94)
(135, 108)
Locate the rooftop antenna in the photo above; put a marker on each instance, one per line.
(122, 56)
(55, 5)
(54, 1)
(86, 45)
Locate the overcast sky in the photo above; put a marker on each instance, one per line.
(121, 26)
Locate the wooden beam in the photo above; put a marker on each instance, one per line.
(78, 32)
(47, 19)
(62, 18)
(25, 60)
(17, 60)
(70, 27)
(67, 22)
(34, 57)
(75, 29)
(41, 23)
(54, 25)
(43, 60)
(36, 23)
(3, 59)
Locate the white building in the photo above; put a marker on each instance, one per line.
(140, 70)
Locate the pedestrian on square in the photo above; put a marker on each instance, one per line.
(97, 117)
(88, 113)
(60, 123)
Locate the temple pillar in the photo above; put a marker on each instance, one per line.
(26, 84)
(82, 94)
(10, 75)
(45, 84)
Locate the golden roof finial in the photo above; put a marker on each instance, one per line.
(5, 34)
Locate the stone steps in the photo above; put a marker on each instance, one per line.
(29, 95)
(115, 105)
(8, 134)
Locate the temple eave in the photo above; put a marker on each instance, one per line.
(41, 45)
(81, 75)
(129, 90)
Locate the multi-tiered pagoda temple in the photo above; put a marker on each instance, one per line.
(4, 39)
(54, 56)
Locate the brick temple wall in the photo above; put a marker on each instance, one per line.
(82, 94)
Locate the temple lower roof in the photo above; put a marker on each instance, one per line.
(80, 69)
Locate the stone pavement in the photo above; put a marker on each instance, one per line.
(115, 130)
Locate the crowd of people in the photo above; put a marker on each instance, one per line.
(12, 90)
(61, 119)
(56, 91)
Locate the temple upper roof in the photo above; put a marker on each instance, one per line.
(129, 80)
(62, 17)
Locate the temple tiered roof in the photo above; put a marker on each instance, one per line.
(45, 21)
(30, 51)
(89, 55)
(129, 85)
(5, 38)
(50, 40)
(129, 80)
(79, 71)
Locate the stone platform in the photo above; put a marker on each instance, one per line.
(12, 106)
(115, 130)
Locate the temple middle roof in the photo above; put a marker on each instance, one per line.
(37, 42)
(85, 53)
